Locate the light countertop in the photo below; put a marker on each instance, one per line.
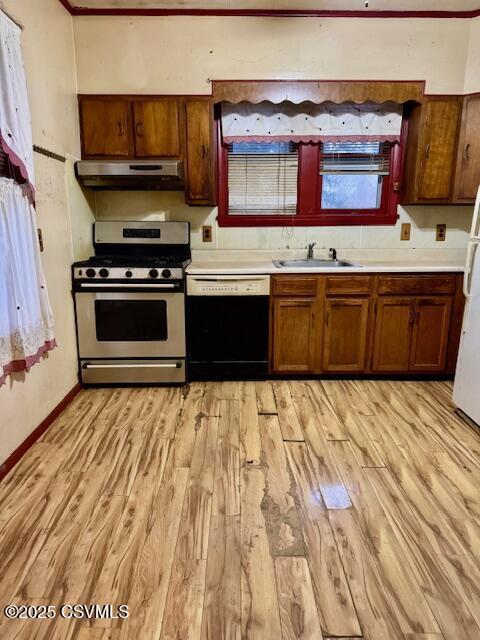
(223, 264)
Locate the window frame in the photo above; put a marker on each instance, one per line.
(309, 212)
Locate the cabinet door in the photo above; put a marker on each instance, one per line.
(200, 158)
(294, 335)
(106, 128)
(430, 333)
(437, 148)
(393, 332)
(468, 156)
(156, 128)
(345, 334)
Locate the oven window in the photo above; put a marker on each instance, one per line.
(131, 320)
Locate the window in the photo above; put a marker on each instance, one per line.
(283, 183)
(262, 178)
(352, 174)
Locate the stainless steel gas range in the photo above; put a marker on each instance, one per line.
(130, 303)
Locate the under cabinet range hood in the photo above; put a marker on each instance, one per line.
(133, 174)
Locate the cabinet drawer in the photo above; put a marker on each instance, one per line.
(348, 284)
(294, 286)
(419, 285)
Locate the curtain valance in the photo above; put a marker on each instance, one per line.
(308, 122)
(15, 125)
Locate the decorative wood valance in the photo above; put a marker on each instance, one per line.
(317, 91)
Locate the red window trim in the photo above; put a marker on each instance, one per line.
(309, 195)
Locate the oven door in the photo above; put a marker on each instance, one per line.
(130, 324)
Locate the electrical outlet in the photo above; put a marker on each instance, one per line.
(405, 232)
(441, 232)
(207, 233)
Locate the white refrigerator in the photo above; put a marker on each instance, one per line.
(466, 390)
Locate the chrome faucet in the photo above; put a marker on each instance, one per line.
(333, 254)
(310, 250)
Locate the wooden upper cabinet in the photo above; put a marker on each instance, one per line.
(157, 132)
(345, 334)
(393, 332)
(430, 333)
(431, 149)
(294, 335)
(106, 128)
(200, 187)
(467, 176)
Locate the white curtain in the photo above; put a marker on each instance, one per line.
(309, 122)
(15, 124)
(26, 321)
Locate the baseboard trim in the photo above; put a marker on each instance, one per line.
(20, 451)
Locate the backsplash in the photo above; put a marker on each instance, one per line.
(151, 205)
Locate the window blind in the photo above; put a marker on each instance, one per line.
(355, 157)
(262, 178)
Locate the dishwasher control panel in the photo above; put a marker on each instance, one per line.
(228, 285)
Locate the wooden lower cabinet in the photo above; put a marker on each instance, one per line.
(386, 324)
(345, 334)
(294, 335)
(430, 333)
(393, 334)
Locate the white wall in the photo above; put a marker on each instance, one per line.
(27, 398)
(472, 72)
(180, 54)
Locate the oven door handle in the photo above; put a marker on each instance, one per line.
(129, 285)
(166, 365)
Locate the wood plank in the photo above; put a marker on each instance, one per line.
(298, 611)
(328, 420)
(165, 409)
(377, 618)
(226, 494)
(189, 422)
(451, 613)
(77, 417)
(212, 399)
(287, 416)
(278, 505)
(184, 607)
(265, 398)
(404, 593)
(193, 536)
(335, 606)
(116, 578)
(222, 609)
(250, 445)
(152, 576)
(331, 486)
(260, 618)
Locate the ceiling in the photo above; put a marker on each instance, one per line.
(276, 5)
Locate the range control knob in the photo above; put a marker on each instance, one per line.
(166, 273)
(103, 273)
(90, 273)
(153, 273)
(128, 274)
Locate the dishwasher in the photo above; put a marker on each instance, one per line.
(227, 326)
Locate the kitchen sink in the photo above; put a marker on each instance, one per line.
(314, 264)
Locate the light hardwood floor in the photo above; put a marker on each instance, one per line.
(264, 511)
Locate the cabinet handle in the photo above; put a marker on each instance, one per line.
(427, 151)
(327, 319)
(204, 152)
(121, 129)
(467, 152)
(138, 129)
(412, 317)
